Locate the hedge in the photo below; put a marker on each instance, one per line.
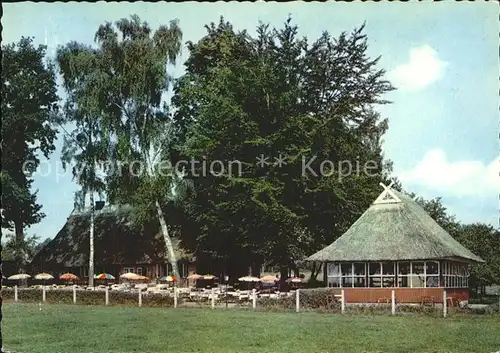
(311, 300)
(86, 297)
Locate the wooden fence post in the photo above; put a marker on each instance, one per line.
(140, 297)
(15, 293)
(44, 296)
(444, 303)
(254, 299)
(213, 297)
(393, 302)
(74, 294)
(342, 301)
(297, 300)
(107, 295)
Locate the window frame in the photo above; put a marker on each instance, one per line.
(449, 274)
(455, 275)
(336, 276)
(410, 275)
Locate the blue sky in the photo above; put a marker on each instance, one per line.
(442, 57)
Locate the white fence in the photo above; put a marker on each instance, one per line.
(213, 296)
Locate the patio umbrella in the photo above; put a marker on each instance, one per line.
(143, 278)
(208, 277)
(269, 279)
(44, 276)
(130, 276)
(69, 277)
(249, 279)
(19, 276)
(194, 276)
(104, 276)
(295, 280)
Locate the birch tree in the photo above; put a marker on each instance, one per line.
(125, 91)
(83, 147)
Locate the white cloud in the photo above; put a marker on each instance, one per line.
(423, 68)
(460, 179)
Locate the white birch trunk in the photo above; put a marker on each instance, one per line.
(91, 252)
(168, 240)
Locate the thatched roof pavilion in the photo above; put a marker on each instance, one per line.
(395, 243)
(394, 230)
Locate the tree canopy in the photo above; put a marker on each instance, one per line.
(29, 112)
(482, 239)
(30, 247)
(277, 95)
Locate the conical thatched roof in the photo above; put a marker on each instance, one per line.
(391, 229)
(117, 240)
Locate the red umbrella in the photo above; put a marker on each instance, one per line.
(69, 277)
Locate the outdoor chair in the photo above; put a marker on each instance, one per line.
(450, 301)
(427, 301)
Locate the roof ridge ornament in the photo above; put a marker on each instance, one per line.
(387, 196)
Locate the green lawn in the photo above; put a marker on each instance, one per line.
(75, 329)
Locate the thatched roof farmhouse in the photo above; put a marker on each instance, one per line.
(118, 243)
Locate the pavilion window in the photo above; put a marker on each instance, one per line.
(417, 274)
(404, 273)
(388, 274)
(347, 274)
(333, 275)
(359, 274)
(464, 273)
(432, 274)
(455, 275)
(375, 274)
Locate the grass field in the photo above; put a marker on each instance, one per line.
(79, 329)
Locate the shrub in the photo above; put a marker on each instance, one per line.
(86, 297)
(488, 310)
(368, 309)
(419, 309)
(320, 300)
(7, 293)
(485, 300)
(276, 304)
